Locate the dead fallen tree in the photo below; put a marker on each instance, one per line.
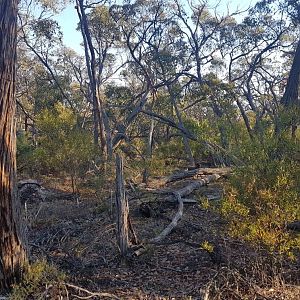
(178, 194)
(30, 190)
(197, 172)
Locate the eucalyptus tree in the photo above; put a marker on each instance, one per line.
(255, 49)
(167, 59)
(12, 247)
(99, 38)
(202, 26)
(73, 64)
(154, 48)
(290, 98)
(199, 26)
(42, 35)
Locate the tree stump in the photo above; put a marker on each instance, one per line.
(122, 209)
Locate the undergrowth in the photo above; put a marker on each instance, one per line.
(262, 197)
(41, 281)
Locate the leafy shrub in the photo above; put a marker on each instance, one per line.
(63, 147)
(25, 151)
(263, 196)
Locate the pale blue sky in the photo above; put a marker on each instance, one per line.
(68, 20)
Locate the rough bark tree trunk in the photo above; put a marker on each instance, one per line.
(12, 249)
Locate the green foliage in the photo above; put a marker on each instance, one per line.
(263, 196)
(102, 25)
(24, 151)
(63, 146)
(201, 129)
(46, 93)
(209, 133)
(288, 116)
(168, 156)
(38, 276)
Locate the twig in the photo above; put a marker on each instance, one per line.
(90, 294)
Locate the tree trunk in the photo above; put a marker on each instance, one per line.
(122, 209)
(245, 118)
(149, 152)
(98, 110)
(290, 96)
(12, 250)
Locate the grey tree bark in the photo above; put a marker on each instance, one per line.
(122, 209)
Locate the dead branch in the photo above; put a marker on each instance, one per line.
(197, 172)
(169, 122)
(90, 294)
(174, 222)
(197, 184)
(178, 194)
(235, 159)
(134, 236)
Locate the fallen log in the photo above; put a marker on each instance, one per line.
(24, 182)
(189, 200)
(174, 222)
(29, 190)
(197, 184)
(178, 194)
(197, 172)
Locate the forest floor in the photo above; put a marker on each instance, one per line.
(78, 236)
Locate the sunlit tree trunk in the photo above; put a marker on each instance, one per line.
(12, 250)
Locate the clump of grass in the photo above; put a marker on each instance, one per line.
(41, 281)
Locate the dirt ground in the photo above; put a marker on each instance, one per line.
(78, 236)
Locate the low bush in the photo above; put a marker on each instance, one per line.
(40, 279)
(263, 196)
